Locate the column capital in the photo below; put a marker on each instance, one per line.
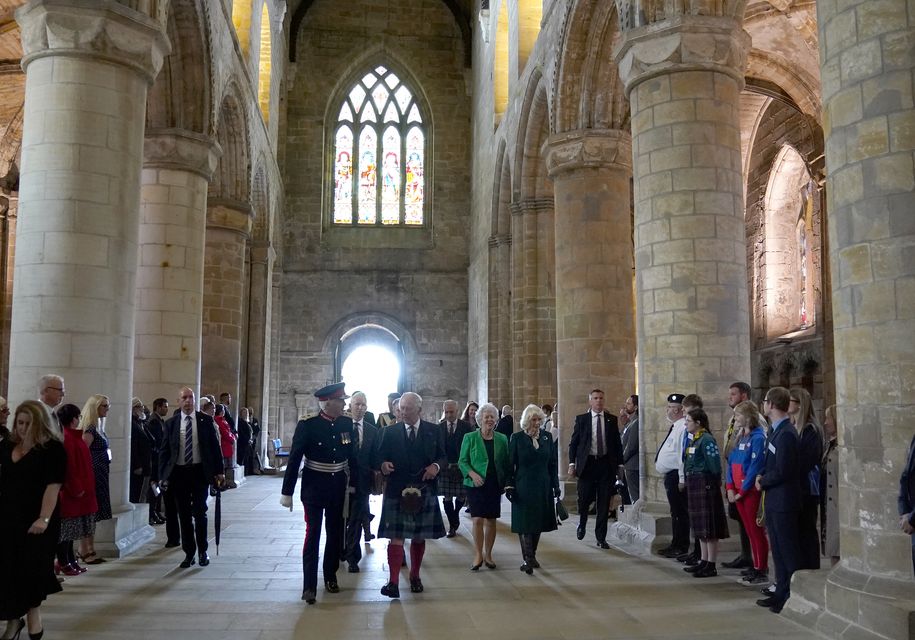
(230, 215)
(588, 149)
(181, 150)
(131, 34)
(683, 43)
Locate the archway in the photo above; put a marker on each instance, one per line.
(370, 359)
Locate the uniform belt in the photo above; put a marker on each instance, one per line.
(326, 467)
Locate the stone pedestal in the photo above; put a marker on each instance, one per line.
(595, 332)
(683, 77)
(228, 229)
(88, 66)
(868, 119)
(177, 167)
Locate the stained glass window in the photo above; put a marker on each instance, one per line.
(379, 174)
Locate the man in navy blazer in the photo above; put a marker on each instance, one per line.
(781, 481)
(365, 441)
(595, 454)
(189, 461)
(907, 498)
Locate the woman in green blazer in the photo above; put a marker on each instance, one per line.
(533, 484)
(484, 463)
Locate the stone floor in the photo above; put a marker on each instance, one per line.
(252, 590)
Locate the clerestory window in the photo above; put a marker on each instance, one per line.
(380, 150)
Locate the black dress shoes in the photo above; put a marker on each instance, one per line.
(172, 545)
(580, 532)
(309, 596)
(693, 568)
(416, 585)
(533, 562)
(331, 586)
(707, 570)
(603, 544)
(391, 590)
(188, 562)
(451, 533)
(204, 560)
(353, 567)
(766, 602)
(527, 568)
(737, 563)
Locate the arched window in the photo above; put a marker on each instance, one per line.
(380, 151)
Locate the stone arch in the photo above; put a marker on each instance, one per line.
(181, 97)
(379, 325)
(798, 84)
(231, 180)
(531, 178)
(588, 92)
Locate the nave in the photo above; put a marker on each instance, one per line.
(251, 591)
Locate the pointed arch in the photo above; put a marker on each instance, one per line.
(232, 177)
(532, 180)
(588, 92)
(181, 97)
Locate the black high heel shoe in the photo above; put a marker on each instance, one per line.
(36, 636)
(476, 567)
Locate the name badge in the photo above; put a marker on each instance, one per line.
(743, 447)
(690, 451)
(771, 447)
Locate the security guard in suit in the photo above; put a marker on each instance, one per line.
(325, 441)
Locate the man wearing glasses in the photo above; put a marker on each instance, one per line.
(781, 482)
(51, 392)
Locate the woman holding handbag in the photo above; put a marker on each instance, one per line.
(532, 484)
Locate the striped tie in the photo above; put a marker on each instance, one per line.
(189, 441)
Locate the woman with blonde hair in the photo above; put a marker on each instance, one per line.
(484, 463)
(94, 412)
(809, 455)
(532, 484)
(34, 464)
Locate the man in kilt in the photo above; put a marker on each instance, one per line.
(451, 482)
(325, 441)
(411, 454)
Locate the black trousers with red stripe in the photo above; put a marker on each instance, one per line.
(315, 515)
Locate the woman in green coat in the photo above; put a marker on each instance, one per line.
(484, 463)
(532, 485)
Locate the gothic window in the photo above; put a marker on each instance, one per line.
(380, 150)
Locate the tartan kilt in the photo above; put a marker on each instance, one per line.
(427, 524)
(706, 507)
(449, 487)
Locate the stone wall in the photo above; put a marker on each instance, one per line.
(417, 277)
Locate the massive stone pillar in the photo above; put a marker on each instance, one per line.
(867, 65)
(176, 171)
(595, 323)
(88, 67)
(228, 229)
(683, 76)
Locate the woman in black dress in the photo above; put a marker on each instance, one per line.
(485, 465)
(94, 413)
(33, 463)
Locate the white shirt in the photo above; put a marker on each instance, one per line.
(594, 417)
(670, 456)
(194, 436)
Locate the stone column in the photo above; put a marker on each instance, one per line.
(867, 66)
(260, 341)
(683, 76)
(595, 324)
(177, 168)
(227, 233)
(88, 67)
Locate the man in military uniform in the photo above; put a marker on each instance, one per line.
(325, 441)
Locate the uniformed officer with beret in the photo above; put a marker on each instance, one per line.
(325, 442)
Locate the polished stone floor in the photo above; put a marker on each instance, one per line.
(252, 590)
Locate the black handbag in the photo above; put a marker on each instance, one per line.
(561, 511)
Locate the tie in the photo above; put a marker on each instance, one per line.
(412, 434)
(358, 435)
(450, 428)
(601, 444)
(188, 441)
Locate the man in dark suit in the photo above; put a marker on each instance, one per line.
(506, 425)
(595, 454)
(781, 481)
(361, 480)
(411, 454)
(630, 440)
(325, 441)
(451, 482)
(225, 399)
(906, 502)
(189, 461)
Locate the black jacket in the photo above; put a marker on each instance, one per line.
(781, 479)
(580, 444)
(453, 442)
(207, 442)
(809, 454)
(362, 474)
(408, 464)
(506, 426)
(630, 440)
(141, 444)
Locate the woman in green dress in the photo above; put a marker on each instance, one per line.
(532, 484)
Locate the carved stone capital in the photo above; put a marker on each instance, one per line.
(589, 149)
(230, 215)
(181, 150)
(683, 43)
(99, 29)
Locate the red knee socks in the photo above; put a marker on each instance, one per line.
(417, 550)
(395, 560)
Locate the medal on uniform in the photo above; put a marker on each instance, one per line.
(345, 438)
